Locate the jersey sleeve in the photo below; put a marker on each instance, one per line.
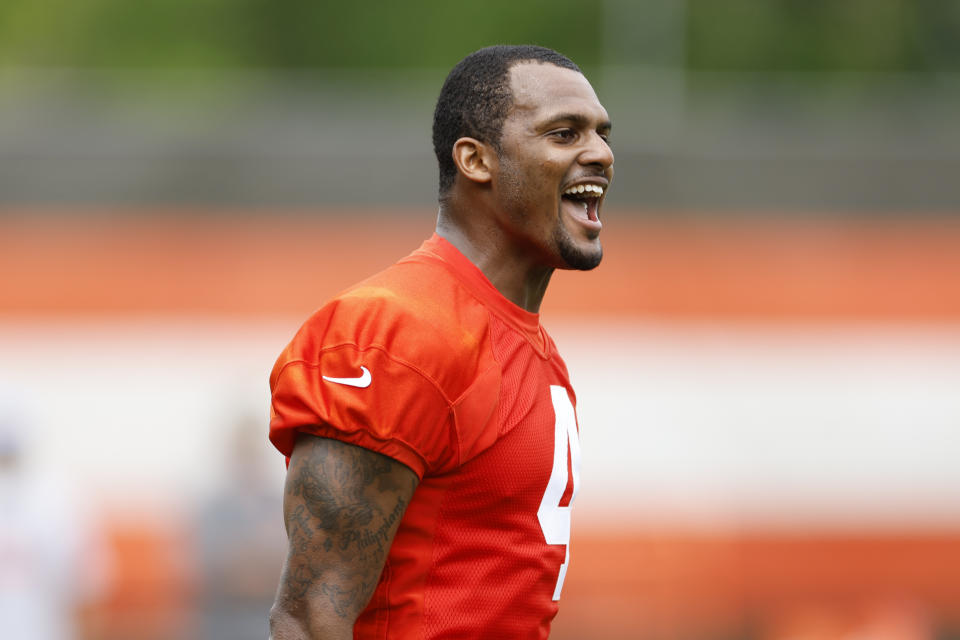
(364, 396)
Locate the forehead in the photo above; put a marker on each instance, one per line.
(541, 89)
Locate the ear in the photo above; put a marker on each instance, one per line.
(475, 160)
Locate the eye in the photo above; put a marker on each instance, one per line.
(564, 135)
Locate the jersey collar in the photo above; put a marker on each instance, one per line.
(528, 323)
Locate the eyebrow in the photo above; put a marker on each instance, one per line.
(578, 119)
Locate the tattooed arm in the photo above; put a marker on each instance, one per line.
(342, 505)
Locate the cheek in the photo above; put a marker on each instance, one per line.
(546, 178)
(532, 185)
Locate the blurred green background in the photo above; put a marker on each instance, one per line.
(732, 35)
(725, 105)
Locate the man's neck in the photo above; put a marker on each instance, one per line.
(507, 268)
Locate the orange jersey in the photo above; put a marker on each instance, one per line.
(426, 362)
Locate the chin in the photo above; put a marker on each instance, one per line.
(578, 257)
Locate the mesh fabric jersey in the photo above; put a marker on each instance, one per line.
(468, 390)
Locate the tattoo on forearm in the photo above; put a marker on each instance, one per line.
(339, 536)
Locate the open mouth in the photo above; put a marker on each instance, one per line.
(584, 200)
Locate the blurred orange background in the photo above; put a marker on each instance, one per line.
(740, 572)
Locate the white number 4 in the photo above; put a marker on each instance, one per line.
(555, 519)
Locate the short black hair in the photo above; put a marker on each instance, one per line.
(476, 97)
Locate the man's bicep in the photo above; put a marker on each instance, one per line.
(342, 506)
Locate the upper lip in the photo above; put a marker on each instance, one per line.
(600, 182)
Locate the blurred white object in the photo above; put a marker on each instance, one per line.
(48, 562)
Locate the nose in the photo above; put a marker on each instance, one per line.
(597, 152)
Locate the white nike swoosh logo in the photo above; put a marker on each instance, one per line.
(362, 382)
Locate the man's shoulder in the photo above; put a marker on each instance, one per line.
(416, 311)
(412, 295)
(403, 286)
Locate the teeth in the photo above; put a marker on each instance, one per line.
(592, 190)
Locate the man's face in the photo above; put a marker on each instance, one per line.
(555, 165)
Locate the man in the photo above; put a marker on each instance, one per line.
(428, 419)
